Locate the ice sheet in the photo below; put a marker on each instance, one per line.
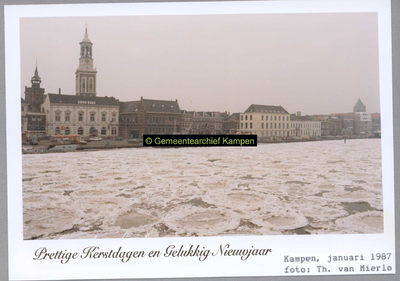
(288, 188)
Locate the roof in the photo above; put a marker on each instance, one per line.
(23, 101)
(294, 117)
(158, 106)
(129, 106)
(234, 117)
(163, 106)
(266, 109)
(210, 114)
(359, 103)
(75, 99)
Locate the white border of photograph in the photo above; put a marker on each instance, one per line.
(21, 253)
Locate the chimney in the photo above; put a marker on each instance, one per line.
(59, 91)
(141, 98)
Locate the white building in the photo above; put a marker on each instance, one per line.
(304, 126)
(83, 115)
(265, 121)
(363, 124)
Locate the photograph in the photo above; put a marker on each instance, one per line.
(306, 84)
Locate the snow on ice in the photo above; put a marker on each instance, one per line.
(326, 187)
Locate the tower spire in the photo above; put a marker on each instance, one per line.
(36, 78)
(86, 73)
(86, 34)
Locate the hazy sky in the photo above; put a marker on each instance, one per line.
(313, 63)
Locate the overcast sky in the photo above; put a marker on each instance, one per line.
(313, 63)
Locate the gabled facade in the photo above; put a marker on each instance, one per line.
(148, 116)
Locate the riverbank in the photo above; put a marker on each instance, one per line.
(114, 144)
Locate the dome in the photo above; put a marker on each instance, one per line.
(86, 38)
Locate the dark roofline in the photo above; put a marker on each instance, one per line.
(267, 108)
(73, 99)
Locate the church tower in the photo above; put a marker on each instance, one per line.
(34, 95)
(86, 74)
(359, 107)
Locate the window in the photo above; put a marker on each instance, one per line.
(103, 118)
(275, 117)
(104, 131)
(275, 124)
(266, 125)
(113, 117)
(241, 125)
(67, 117)
(58, 117)
(80, 118)
(262, 117)
(251, 125)
(245, 125)
(113, 131)
(245, 117)
(92, 131)
(22, 108)
(279, 118)
(57, 130)
(83, 88)
(39, 119)
(241, 117)
(90, 84)
(262, 125)
(251, 117)
(266, 118)
(279, 125)
(34, 118)
(67, 131)
(80, 131)
(91, 117)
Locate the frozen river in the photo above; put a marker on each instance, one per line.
(289, 188)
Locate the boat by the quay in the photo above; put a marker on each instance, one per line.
(51, 149)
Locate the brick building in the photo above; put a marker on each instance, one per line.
(149, 117)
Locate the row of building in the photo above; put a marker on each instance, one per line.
(87, 114)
